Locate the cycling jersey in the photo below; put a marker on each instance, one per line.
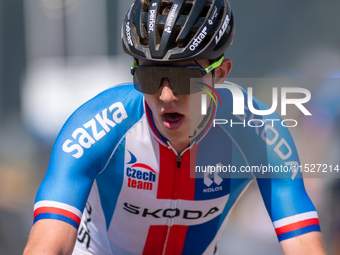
(121, 184)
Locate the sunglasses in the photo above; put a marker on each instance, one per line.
(148, 79)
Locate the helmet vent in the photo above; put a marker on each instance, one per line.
(220, 14)
(145, 5)
(165, 7)
(144, 41)
(190, 32)
(187, 8)
(159, 33)
(205, 11)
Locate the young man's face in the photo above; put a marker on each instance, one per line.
(172, 114)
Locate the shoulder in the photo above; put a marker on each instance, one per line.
(256, 128)
(106, 117)
(83, 148)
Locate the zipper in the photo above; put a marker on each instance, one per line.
(179, 156)
(175, 200)
(179, 161)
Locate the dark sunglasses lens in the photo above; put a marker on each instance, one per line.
(148, 79)
(181, 80)
(136, 83)
(144, 80)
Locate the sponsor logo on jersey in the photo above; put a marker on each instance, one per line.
(84, 236)
(170, 212)
(82, 138)
(140, 176)
(209, 181)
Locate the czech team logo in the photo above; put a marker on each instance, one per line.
(140, 176)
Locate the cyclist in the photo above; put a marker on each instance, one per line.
(119, 175)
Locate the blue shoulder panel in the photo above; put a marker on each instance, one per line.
(85, 144)
(268, 147)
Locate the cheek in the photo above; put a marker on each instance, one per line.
(151, 100)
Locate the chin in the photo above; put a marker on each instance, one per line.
(175, 136)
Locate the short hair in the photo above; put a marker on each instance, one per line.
(146, 4)
(165, 8)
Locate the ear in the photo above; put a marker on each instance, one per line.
(221, 72)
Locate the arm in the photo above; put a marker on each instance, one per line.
(307, 244)
(293, 214)
(269, 145)
(81, 151)
(51, 237)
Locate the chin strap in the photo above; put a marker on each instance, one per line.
(201, 125)
(206, 117)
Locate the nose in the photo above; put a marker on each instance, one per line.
(167, 94)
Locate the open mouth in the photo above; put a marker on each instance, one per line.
(172, 120)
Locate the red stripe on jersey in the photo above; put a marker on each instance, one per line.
(167, 171)
(155, 240)
(176, 239)
(297, 225)
(57, 211)
(175, 183)
(187, 184)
